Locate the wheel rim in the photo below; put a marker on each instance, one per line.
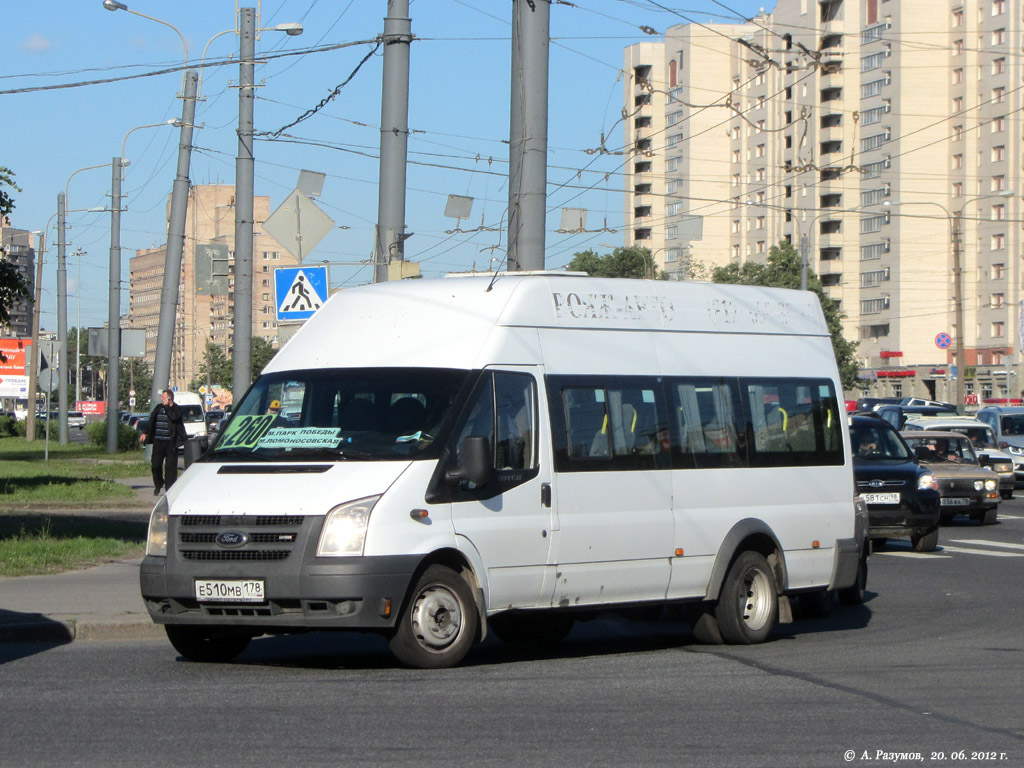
(756, 599)
(437, 617)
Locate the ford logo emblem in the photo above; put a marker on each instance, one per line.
(231, 539)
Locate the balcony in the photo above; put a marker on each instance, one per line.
(831, 147)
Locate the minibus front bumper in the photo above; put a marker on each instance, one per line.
(273, 581)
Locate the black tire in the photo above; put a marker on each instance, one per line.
(748, 605)
(854, 594)
(1006, 493)
(439, 622)
(531, 628)
(206, 644)
(988, 517)
(878, 543)
(816, 604)
(926, 542)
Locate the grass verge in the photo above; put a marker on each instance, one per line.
(34, 544)
(75, 476)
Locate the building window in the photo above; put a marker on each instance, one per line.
(998, 212)
(958, 75)
(958, 162)
(998, 154)
(735, 226)
(874, 278)
(998, 271)
(997, 301)
(958, 18)
(874, 88)
(998, 183)
(759, 152)
(998, 66)
(958, 47)
(958, 104)
(998, 330)
(998, 36)
(671, 232)
(760, 222)
(958, 189)
(997, 242)
(760, 246)
(958, 132)
(998, 7)
(998, 95)
(873, 223)
(874, 306)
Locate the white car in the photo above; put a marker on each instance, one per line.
(983, 439)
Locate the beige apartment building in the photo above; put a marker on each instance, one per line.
(203, 318)
(882, 136)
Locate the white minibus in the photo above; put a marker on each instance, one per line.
(513, 453)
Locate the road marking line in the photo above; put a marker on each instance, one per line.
(983, 543)
(924, 555)
(989, 552)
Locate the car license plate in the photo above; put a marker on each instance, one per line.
(956, 501)
(230, 591)
(881, 498)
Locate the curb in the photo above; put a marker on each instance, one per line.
(45, 630)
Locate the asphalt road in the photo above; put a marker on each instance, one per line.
(931, 664)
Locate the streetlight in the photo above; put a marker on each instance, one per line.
(956, 241)
(114, 5)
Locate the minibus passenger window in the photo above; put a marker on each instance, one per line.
(586, 423)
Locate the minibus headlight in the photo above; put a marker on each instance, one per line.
(990, 485)
(344, 531)
(156, 543)
(927, 482)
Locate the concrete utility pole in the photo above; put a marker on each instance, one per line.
(394, 140)
(114, 305)
(175, 243)
(33, 366)
(528, 135)
(244, 218)
(62, 322)
(956, 234)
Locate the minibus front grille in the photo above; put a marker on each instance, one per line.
(250, 555)
(880, 483)
(288, 537)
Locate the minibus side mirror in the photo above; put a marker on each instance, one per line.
(475, 466)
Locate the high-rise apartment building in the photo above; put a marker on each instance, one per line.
(882, 136)
(203, 318)
(17, 249)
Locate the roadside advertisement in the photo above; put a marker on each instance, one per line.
(91, 407)
(13, 374)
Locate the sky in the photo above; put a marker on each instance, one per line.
(458, 117)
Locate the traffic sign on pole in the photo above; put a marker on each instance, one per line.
(299, 291)
(943, 340)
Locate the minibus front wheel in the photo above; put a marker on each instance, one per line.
(439, 622)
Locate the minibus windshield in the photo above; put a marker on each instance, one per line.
(341, 413)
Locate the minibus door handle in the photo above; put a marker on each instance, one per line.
(545, 494)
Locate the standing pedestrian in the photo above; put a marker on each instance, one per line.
(165, 433)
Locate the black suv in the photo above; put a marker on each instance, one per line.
(902, 496)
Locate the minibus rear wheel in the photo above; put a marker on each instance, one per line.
(206, 644)
(439, 622)
(748, 604)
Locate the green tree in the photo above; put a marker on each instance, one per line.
(782, 270)
(13, 286)
(216, 368)
(262, 353)
(134, 373)
(632, 262)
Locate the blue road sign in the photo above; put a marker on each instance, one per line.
(299, 291)
(943, 340)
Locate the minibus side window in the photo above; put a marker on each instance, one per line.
(615, 423)
(792, 423)
(705, 424)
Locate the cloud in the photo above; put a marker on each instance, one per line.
(36, 44)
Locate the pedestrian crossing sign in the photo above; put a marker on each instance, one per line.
(299, 291)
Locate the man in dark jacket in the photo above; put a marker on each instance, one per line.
(165, 433)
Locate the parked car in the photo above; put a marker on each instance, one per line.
(902, 496)
(983, 440)
(1007, 421)
(212, 418)
(966, 487)
(141, 425)
(76, 419)
(133, 420)
(897, 415)
(868, 404)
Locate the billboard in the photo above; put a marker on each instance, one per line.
(13, 373)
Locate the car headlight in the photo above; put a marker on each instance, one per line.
(156, 542)
(990, 485)
(1015, 450)
(927, 482)
(344, 531)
